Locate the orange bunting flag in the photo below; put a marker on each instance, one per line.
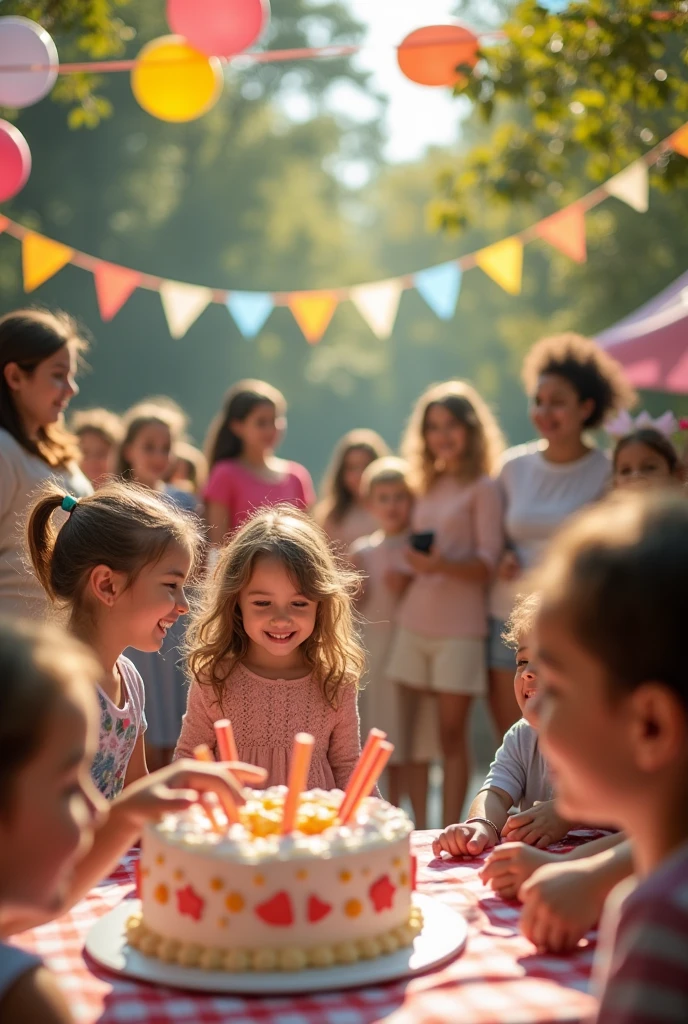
(313, 312)
(114, 285)
(566, 232)
(41, 259)
(679, 141)
(4, 224)
(503, 262)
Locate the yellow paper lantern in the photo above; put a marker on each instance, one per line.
(174, 82)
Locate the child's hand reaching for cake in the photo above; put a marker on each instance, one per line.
(179, 785)
(467, 839)
(539, 826)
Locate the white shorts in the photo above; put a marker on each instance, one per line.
(441, 665)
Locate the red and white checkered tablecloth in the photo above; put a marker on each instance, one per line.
(498, 979)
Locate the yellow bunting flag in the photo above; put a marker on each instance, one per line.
(566, 232)
(41, 259)
(313, 312)
(679, 141)
(503, 262)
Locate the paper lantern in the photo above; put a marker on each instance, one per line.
(24, 42)
(174, 82)
(218, 28)
(15, 161)
(430, 56)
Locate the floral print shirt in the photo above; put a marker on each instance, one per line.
(119, 730)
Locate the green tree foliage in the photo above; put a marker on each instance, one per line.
(577, 95)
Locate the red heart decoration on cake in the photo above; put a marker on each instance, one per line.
(277, 910)
(317, 910)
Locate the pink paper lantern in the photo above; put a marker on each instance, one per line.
(219, 28)
(15, 161)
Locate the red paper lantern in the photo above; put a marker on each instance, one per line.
(218, 28)
(430, 56)
(15, 161)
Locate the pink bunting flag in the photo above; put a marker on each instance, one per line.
(114, 285)
(566, 232)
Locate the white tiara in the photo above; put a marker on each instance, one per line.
(624, 423)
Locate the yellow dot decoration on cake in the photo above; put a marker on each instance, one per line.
(344, 876)
(216, 884)
(302, 874)
(403, 878)
(160, 859)
(290, 958)
(162, 893)
(178, 875)
(234, 902)
(258, 880)
(352, 908)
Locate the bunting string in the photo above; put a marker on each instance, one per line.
(376, 301)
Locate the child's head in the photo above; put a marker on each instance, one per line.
(39, 354)
(573, 385)
(99, 433)
(48, 739)
(278, 587)
(190, 467)
(352, 456)
(645, 458)
(150, 430)
(386, 491)
(519, 636)
(252, 422)
(612, 658)
(119, 561)
(451, 429)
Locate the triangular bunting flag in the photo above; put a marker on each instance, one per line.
(4, 224)
(313, 312)
(114, 285)
(679, 141)
(440, 287)
(250, 311)
(41, 259)
(378, 304)
(503, 262)
(183, 304)
(566, 232)
(631, 186)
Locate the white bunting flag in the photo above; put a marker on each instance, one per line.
(183, 304)
(631, 186)
(378, 304)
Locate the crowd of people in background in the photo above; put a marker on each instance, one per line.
(396, 596)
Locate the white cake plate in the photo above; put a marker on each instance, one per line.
(442, 938)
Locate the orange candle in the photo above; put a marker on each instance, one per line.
(202, 753)
(298, 775)
(375, 770)
(225, 740)
(372, 744)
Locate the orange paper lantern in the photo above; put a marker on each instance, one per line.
(430, 56)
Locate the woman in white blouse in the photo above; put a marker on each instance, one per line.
(573, 386)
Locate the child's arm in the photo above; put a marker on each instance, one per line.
(563, 901)
(345, 741)
(137, 767)
(471, 838)
(197, 723)
(35, 996)
(172, 789)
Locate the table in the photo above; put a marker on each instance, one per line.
(499, 978)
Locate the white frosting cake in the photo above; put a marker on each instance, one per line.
(251, 898)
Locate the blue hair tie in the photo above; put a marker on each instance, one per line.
(69, 503)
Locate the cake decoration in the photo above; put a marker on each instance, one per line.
(277, 911)
(382, 894)
(189, 902)
(317, 909)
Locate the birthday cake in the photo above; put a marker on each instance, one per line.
(249, 898)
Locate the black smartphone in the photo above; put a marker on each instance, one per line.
(423, 541)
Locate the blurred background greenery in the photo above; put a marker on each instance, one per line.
(284, 186)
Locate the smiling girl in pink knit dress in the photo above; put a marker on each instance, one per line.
(274, 649)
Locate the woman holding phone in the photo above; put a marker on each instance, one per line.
(452, 444)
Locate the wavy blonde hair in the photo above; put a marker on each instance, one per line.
(216, 639)
(485, 442)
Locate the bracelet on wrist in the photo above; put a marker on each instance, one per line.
(485, 821)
